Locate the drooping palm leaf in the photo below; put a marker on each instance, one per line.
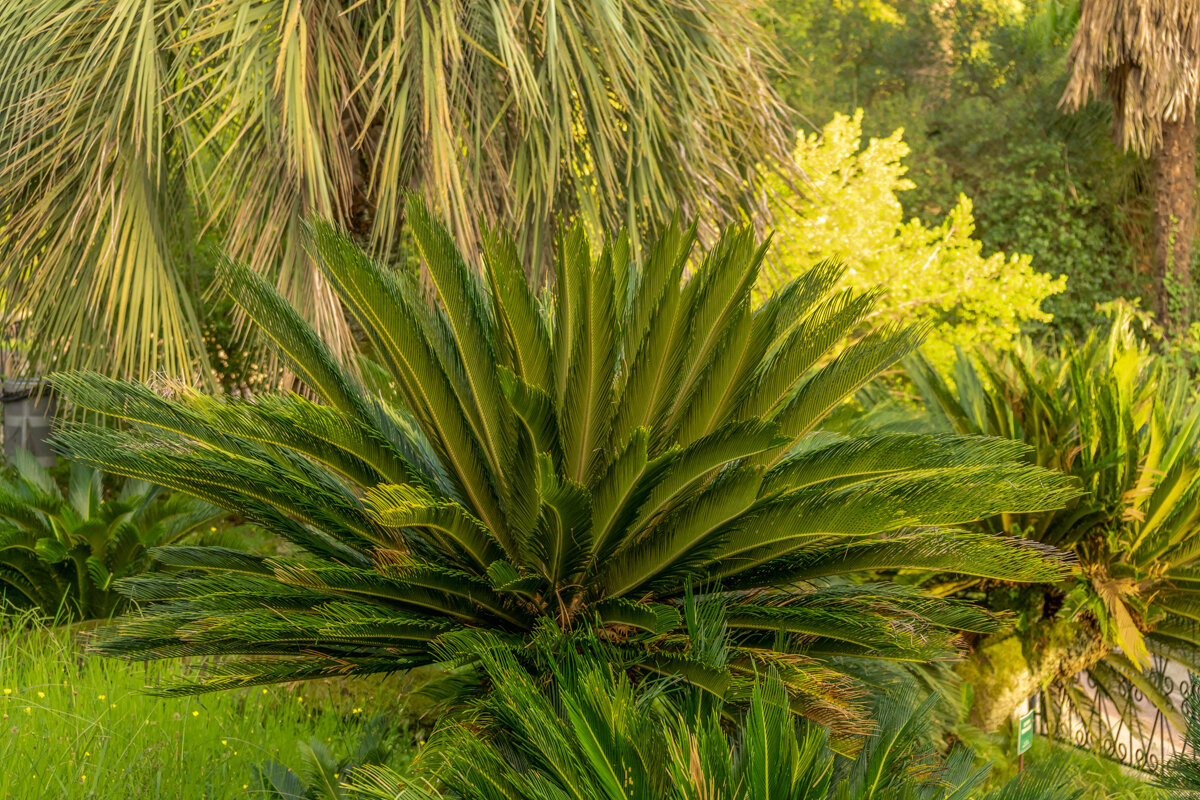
(121, 118)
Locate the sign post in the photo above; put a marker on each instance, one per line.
(1024, 737)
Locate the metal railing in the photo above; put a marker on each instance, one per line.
(1106, 713)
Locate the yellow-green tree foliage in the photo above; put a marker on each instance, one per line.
(850, 212)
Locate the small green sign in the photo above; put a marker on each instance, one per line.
(1024, 732)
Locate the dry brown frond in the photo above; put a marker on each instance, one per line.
(1145, 54)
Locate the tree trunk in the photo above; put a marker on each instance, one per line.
(1175, 221)
(1005, 671)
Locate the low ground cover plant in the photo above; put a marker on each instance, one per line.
(62, 548)
(591, 734)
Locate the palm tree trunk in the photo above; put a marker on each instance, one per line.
(1175, 221)
(1005, 671)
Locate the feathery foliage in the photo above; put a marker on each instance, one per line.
(594, 736)
(1181, 773)
(1114, 415)
(121, 118)
(582, 459)
(62, 552)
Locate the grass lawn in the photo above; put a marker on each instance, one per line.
(79, 726)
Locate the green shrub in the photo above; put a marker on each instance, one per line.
(975, 86)
(594, 736)
(510, 462)
(850, 212)
(61, 552)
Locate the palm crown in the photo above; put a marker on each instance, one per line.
(123, 122)
(582, 459)
(1111, 413)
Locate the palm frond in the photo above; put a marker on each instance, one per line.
(520, 465)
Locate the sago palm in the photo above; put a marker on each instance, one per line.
(1111, 413)
(61, 552)
(595, 736)
(578, 459)
(126, 126)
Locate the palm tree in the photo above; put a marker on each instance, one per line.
(593, 735)
(128, 126)
(62, 552)
(582, 458)
(1111, 413)
(1145, 54)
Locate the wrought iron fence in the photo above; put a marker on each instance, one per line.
(1137, 723)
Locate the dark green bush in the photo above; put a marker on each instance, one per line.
(61, 551)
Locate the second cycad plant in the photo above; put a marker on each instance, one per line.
(575, 460)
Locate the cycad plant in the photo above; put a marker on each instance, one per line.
(322, 775)
(1114, 415)
(61, 552)
(578, 459)
(594, 736)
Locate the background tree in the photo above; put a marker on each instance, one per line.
(126, 126)
(850, 212)
(1042, 183)
(1145, 54)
